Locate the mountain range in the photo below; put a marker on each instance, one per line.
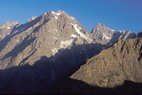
(54, 46)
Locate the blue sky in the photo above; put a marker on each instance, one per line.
(115, 14)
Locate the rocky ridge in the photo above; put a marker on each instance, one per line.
(6, 28)
(110, 68)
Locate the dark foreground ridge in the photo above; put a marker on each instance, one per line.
(71, 86)
(39, 79)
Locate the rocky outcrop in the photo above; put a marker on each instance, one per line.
(110, 68)
(6, 28)
(107, 36)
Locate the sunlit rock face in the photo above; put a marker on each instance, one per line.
(6, 28)
(110, 68)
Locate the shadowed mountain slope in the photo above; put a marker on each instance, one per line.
(39, 77)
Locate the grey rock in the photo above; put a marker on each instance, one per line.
(45, 48)
(107, 36)
(5, 29)
(113, 66)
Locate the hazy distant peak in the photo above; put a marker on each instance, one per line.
(8, 24)
(104, 35)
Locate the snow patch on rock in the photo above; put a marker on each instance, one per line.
(33, 18)
(73, 36)
(106, 37)
(65, 44)
(72, 18)
(8, 27)
(78, 30)
(45, 13)
(54, 51)
(56, 14)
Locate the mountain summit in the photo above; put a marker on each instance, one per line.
(44, 48)
(107, 36)
(42, 36)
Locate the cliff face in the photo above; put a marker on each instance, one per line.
(122, 61)
(6, 28)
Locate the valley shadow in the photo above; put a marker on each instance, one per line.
(38, 77)
(51, 75)
(72, 86)
(27, 78)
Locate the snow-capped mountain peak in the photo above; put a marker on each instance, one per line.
(105, 35)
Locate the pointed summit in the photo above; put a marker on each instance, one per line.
(101, 33)
(47, 35)
(101, 27)
(107, 36)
